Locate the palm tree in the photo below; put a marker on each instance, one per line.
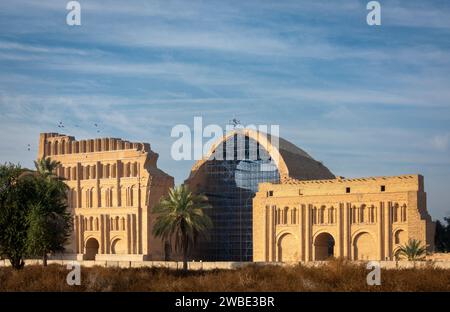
(413, 250)
(181, 219)
(45, 168)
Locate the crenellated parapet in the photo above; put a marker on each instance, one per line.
(340, 185)
(52, 144)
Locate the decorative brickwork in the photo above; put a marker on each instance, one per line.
(358, 219)
(113, 184)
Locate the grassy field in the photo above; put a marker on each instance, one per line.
(335, 276)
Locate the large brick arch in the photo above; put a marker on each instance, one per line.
(259, 137)
(118, 245)
(92, 247)
(324, 245)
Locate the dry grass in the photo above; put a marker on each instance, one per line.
(335, 276)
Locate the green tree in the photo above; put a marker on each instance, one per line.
(49, 222)
(413, 250)
(33, 212)
(442, 235)
(16, 196)
(181, 219)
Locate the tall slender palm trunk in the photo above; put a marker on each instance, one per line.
(185, 253)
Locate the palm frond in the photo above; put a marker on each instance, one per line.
(181, 218)
(413, 250)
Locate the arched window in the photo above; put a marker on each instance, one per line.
(278, 221)
(86, 203)
(111, 197)
(91, 223)
(111, 224)
(294, 216)
(97, 227)
(89, 198)
(101, 200)
(55, 148)
(107, 171)
(123, 224)
(107, 198)
(93, 171)
(404, 213)
(331, 215)
(362, 212)
(371, 216)
(322, 215)
(114, 171)
(73, 198)
(63, 147)
(353, 215)
(395, 213)
(131, 196)
(120, 196)
(127, 169)
(116, 223)
(134, 169)
(285, 215)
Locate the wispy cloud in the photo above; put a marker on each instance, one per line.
(363, 99)
(441, 141)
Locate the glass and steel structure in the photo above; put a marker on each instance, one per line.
(230, 180)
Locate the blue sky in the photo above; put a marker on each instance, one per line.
(367, 101)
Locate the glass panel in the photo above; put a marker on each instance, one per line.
(230, 186)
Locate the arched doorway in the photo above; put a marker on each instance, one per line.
(364, 247)
(118, 247)
(92, 246)
(287, 248)
(323, 246)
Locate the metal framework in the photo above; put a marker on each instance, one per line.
(231, 186)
